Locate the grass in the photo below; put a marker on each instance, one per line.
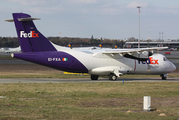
(62, 76)
(88, 101)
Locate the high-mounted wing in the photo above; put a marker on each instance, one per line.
(128, 52)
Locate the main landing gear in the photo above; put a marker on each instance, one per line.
(164, 76)
(94, 77)
(112, 77)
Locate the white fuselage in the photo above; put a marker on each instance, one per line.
(104, 64)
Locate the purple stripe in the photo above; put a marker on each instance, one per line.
(53, 59)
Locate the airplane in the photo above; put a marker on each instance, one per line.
(108, 62)
(9, 50)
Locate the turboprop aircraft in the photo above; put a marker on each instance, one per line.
(108, 62)
(10, 50)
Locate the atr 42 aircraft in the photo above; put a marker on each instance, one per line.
(108, 62)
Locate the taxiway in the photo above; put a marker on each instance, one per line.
(84, 80)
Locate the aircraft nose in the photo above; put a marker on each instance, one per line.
(173, 67)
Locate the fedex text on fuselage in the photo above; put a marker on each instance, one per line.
(149, 61)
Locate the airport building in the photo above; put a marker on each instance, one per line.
(171, 44)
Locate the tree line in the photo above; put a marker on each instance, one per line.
(64, 41)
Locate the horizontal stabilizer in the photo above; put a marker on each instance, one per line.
(28, 19)
(23, 19)
(10, 20)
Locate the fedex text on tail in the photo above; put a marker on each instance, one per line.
(29, 35)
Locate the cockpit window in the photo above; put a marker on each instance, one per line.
(164, 59)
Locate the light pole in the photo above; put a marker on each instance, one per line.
(159, 35)
(139, 27)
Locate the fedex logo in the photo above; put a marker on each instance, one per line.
(32, 34)
(150, 61)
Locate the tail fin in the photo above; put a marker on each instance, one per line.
(30, 39)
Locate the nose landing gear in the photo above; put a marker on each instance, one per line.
(164, 76)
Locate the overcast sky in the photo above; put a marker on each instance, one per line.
(114, 19)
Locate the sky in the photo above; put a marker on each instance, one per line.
(112, 19)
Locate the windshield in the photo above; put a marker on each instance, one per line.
(165, 59)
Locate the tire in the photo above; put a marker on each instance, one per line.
(112, 77)
(94, 77)
(164, 78)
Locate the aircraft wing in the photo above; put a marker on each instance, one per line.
(127, 51)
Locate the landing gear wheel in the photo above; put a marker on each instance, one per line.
(164, 76)
(112, 77)
(94, 77)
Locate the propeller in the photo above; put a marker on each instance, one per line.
(150, 53)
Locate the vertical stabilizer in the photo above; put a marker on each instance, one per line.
(30, 39)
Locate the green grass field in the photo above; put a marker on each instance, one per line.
(88, 101)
